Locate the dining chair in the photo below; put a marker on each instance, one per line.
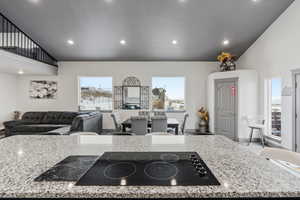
(139, 125)
(117, 121)
(256, 123)
(183, 125)
(159, 124)
(159, 113)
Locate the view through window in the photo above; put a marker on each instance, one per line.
(168, 93)
(95, 93)
(276, 106)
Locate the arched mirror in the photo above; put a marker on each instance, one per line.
(131, 93)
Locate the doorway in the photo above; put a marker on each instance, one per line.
(296, 110)
(226, 107)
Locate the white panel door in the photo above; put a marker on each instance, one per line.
(298, 112)
(226, 107)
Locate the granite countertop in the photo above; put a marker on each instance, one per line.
(240, 172)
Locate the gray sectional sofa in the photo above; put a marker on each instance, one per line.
(54, 123)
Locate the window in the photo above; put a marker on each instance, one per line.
(274, 107)
(168, 93)
(96, 93)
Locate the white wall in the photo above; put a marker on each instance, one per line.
(12, 63)
(275, 54)
(247, 101)
(8, 97)
(196, 74)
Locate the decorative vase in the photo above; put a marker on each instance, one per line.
(203, 126)
(17, 115)
(223, 67)
(228, 66)
(231, 65)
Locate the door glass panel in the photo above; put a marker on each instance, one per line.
(276, 106)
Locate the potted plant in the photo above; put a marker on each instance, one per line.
(227, 61)
(204, 120)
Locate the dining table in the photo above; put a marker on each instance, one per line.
(172, 123)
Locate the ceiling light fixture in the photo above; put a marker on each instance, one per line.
(20, 152)
(122, 42)
(174, 42)
(71, 42)
(226, 42)
(33, 1)
(20, 72)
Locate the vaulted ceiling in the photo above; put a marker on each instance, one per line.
(151, 30)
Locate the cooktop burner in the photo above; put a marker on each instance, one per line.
(160, 170)
(148, 168)
(119, 170)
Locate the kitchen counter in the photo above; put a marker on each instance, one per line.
(240, 172)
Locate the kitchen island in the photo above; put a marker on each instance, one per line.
(240, 172)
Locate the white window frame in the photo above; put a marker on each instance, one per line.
(79, 90)
(268, 107)
(175, 111)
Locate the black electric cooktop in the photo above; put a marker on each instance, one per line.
(69, 169)
(148, 168)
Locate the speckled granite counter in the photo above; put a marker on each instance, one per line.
(242, 173)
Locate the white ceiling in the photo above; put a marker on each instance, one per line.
(147, 26)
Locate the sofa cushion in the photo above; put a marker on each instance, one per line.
(33, 117)
(52, 118)
(13, 123)
(90, 122)
(37, 127)
(77, 124)
(67, 117)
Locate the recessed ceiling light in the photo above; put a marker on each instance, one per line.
(255, 1)
(108, 1)
(20, 152)
(174, 42)
(226, 42)
(122, 42)
(34, 1)
(20, 72)
(70, 42)
(182, 1)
